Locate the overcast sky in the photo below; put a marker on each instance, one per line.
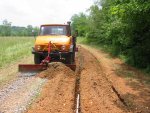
(37, 12)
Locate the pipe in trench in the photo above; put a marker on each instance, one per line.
(78, 103)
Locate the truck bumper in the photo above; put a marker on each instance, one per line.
(52, 54)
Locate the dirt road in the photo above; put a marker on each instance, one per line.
(90, 89)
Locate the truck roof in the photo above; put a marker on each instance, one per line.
(54, 25)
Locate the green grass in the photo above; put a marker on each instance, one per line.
(82, 40)
(102, 47)
(14, 48)
(125, 73)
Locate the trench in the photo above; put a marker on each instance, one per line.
(77, 96)
(77, 84)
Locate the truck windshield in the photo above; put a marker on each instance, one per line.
(53, 30)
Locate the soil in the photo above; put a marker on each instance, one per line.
(96, 93)
(131, 84)
(58, 93)
(104, 85)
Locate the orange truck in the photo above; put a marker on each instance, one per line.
(53, 44)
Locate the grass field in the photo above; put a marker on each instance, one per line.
(14, 48)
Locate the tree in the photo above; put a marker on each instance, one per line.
(5, 28)
(123, 26)
(79, 23)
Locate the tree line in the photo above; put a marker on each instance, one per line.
(122, 26)
(6, 29)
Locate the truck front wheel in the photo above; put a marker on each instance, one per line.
(37, 59)
(70, 58)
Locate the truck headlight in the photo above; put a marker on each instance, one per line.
(63, 47)
(38, 47)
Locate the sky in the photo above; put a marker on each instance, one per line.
(37, 12)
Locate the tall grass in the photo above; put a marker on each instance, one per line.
(82, 40)
(14, 48)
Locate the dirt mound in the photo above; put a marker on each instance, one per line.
(58, 93)
(54, 69)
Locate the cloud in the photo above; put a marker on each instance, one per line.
(36, 12)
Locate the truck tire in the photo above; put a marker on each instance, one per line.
(37, 59)
(70, 58)
(73, 57)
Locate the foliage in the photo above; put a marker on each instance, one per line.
(78, 22)
(123, 26)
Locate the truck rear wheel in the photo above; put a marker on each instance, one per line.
(37, 59)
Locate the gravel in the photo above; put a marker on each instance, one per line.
(17, 96)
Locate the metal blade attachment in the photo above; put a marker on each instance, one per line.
(31, 68)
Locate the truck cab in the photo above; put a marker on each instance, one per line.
(63, 44)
